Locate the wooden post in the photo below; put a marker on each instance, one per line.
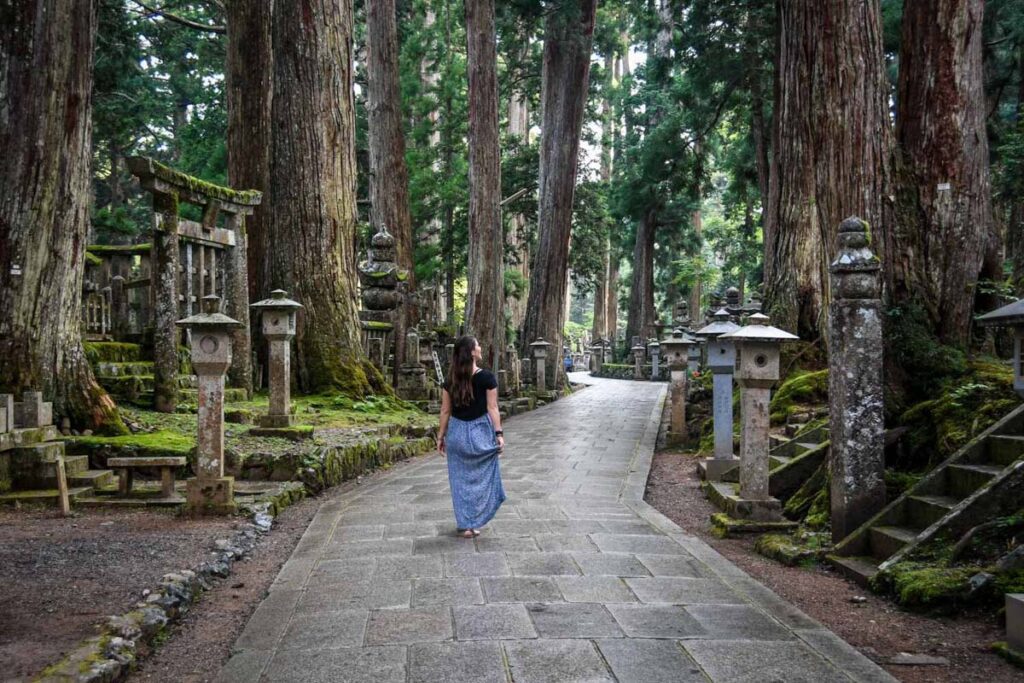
(62, 488)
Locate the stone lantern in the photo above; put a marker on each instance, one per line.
(654, 351)
(596, 357)
(638, 358)
(756, 372)
(733, 303)
(412, 375)
(539, 349)
(721, 362)
(675, 350)
(210, 491)
(693, 356)
(1012, 316)
(278, 326)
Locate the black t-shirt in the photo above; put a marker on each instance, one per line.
(482, 381)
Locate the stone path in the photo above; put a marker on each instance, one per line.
(577, 579)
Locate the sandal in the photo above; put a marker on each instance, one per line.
(467, 533)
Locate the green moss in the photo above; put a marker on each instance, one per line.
(119, 249)
(168, 174)
(1014, 657)
(800, 388)
(112, 352)
(792, 550)
(376, 325)
(926, 587)
(93, 259)
(160, 443)
(810, 503)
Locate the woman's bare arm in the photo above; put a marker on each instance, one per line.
(446, 412)
(495, 413)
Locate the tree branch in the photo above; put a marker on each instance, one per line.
(194, 25)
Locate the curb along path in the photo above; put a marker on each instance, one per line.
(577, 579)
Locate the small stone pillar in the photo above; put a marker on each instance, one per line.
(278, 324)
(721, 362)
(733, 303)
(32, 411)
(675, 349)
(210, 491)
(856, 415)
(693, 357)
(540, 353)
(1015, 623)
(596, 358)
(638, 359)
(654, 351)
(6, 413)
(757, 371)
(164, 283)
(412, 376)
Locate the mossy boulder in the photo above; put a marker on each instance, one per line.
(800, 388)
(112, 352)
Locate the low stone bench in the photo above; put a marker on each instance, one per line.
(126, 470)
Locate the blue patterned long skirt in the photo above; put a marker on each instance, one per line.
(473, 471)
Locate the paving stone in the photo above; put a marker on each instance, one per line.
(573, 620)
(737, 622)
(744, 661)
(475, 564)
(244, 667)
(480, 662)
(622, 543)
(520, 589)
(363, 517)
(408, 567)
(446, 592)
(352, 549)
(345, 534)
(542, 564)
(404, 626)
(556, 661)
(510, 544)
(630, 528)
(656, 621)
(516, 527)
(682, 591)
(557, 542)
(610, 564)
(344, 628)
(671, 565)
(269, 621)
(410, 530)
(352, 665)
(594, 589)
(574, 526)
(492, 622)
(442, 544)
(650, 661)
(356, 594)
(339, 571)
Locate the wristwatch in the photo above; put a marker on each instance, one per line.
(498, 432)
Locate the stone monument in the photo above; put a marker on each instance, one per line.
(1012, 316)
(278, 326)
(654, 352)
(540, 353)
(721, 362)
(676, 349)
(856, 413)
(412, 375)
(210, 491)
(379, 278)
(638, 358)
(759, 344)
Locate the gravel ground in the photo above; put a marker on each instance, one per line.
(877, 628)
(61, 576)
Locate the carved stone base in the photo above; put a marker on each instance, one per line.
(713, 469)
(276, 421)
(210, 496)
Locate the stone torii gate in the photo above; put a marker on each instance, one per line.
(184, 267)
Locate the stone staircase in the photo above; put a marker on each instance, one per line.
(982, 480)
(791, 462)
(30, 454)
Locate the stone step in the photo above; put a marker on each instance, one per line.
(858, 569)
(805, 446)
(46, 451)
(76, 464)
(92, 478)
(887, 540)
(922, 511)
(1005, 450)
(778, 461)
(138, 368)
(49, 497)
(964, 479)
(132, 502)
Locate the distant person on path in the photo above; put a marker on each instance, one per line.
(470, 437)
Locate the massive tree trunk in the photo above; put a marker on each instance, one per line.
(612, 316)
(46, 59)
(249, 79)
(600, 327)
(831, 151)
(519, 247)
(313, 191)
(640, 316)
(485, 315)
(941, 129)
(431, 233)
(568, 34)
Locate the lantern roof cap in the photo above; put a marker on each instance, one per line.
(210, 318)
(540, 342)
(758, 328)
(278, 299)
(720, 325)
(1010, 314)
(679, 337)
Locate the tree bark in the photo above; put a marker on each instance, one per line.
(640, 317)
(519, 126)
(832, 149)
(313, 191)
(941, 129)
(46, 58)
(612, 316)
(485, 315)
(600, 326)
(568, 34)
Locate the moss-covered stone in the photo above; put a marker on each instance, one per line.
(924, 587)
(155, 444)
(800, 388)
(112, 352)
(1014, 657)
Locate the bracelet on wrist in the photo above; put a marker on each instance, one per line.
(498, 432)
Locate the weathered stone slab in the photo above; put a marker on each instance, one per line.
(556, 661)
(682, 591)
(352, 665)
(476, 564)
(737, 622)
(650, 661)
(573, 620)
(326, 630)
(655, 621)
(594, 589)
(404, 626)
(520, 589)
(542, 564)
(610, 564)
(446, 592)
(481, 662)
(492, 622)
(744, 661)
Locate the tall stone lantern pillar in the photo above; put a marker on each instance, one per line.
(596, 357)
(278, 326)
(540, 353)
(676, 349)
(210, 491)
(721, 362)
(856, 414)
(638, 359)
(758, 370)
(1012, 316)
(654, 351)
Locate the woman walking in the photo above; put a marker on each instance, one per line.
(470, 437)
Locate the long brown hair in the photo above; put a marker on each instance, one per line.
(460, 372)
